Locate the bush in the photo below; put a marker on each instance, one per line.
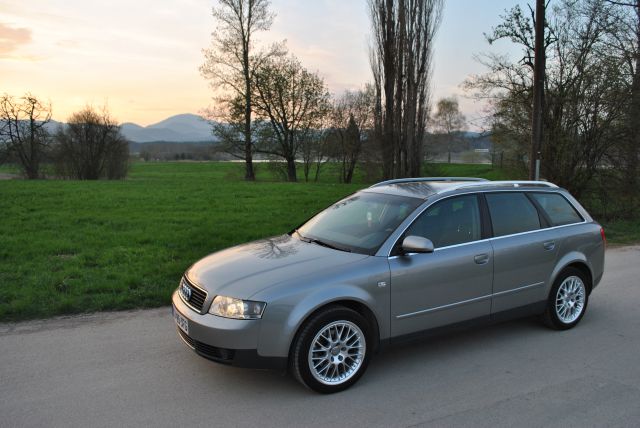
(91, 147)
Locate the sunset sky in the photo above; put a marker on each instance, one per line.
(141, 57)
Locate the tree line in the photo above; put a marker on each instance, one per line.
(272, 105)
(591, 115)
(268, 102)
(88, 147)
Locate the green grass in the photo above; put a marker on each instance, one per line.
(471, 170)
(622, 232)
(71, 246)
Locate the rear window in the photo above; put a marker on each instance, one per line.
(557, 208)
(512, 212)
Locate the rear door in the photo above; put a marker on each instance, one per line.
(524, 250)
(453, 283)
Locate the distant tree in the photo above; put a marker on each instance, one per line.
(231, 63)
(23, 135)
(90, 146)
(293, 102)
(351, 121)
(314, 152)
(449, 121)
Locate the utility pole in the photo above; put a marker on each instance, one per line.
(538, 93)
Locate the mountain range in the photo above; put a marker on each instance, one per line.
(180, 128)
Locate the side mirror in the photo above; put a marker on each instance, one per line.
(417, 244)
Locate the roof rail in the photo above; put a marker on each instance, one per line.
(427, 179)
(503, 183)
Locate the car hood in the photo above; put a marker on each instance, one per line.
(244, 270)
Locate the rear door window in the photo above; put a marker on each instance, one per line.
(512, 212)
(557, 208)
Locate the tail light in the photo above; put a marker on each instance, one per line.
(604, 238)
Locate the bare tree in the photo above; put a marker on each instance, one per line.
(401, 52)
(23, 135)
(90, 146)
(232, 60)
(294, 101)
(449, 121)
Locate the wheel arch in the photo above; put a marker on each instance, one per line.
(578, 262)
(356, 305)
(582, 267)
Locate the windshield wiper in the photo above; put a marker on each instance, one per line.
(320, 242)
(326, 244)
(302, 237)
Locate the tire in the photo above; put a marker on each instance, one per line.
(568, 300)
(346, 336)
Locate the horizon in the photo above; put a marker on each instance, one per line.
(143, 64)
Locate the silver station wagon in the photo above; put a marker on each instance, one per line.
(399, 260)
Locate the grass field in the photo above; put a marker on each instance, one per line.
(69, 246)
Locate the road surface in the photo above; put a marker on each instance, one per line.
(130, 369)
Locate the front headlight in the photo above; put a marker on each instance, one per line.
(230, 307)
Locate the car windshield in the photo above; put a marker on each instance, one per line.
(359, 223)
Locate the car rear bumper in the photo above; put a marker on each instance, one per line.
(223, 340)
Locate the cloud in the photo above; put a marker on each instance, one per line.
(11, 38)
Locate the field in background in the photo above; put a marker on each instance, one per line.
(83, 246)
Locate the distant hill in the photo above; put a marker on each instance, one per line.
(52, 126)
(176, 129)
(181, 128)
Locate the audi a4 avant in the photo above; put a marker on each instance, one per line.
(398, 260)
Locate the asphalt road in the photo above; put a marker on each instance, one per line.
(130, 369)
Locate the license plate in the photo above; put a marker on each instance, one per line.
(181, 321)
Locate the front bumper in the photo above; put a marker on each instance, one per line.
(223, 340)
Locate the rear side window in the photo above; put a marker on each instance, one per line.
(557, 208)
(449, 222)
(512, 212)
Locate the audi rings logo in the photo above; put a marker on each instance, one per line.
(185, 291)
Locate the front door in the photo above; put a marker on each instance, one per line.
(450, 285)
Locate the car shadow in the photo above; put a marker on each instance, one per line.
(413, 360)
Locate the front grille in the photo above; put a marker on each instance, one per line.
(197, 297)
(220, 355)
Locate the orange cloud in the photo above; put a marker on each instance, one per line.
(12, 38)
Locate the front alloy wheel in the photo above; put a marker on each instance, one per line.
(330, 353)
(337, 352)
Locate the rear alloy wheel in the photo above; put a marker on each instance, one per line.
(567, 301)
(331, 352)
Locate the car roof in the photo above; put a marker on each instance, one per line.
(425, 187)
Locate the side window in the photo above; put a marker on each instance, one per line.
(449, 222)
(559, 210)
(512, 212)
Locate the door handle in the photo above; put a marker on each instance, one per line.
(550, 245)
(481, 259)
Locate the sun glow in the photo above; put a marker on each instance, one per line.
(141, 58)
